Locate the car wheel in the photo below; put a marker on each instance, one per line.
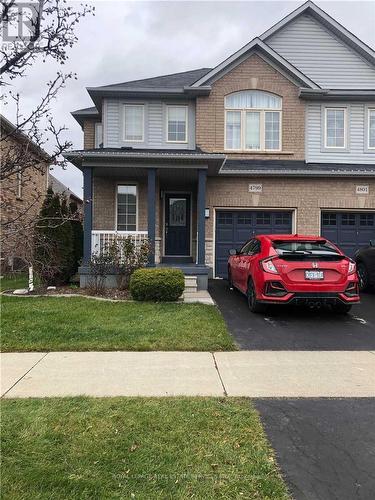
(362, 276)
(230, 282)
(341, 308)
(254, 305)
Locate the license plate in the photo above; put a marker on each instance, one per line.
(314, 275)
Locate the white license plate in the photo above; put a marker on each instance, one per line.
(314, 275)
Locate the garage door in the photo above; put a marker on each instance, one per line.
(234, 228)
(349, 230)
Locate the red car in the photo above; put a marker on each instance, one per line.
(285, 269)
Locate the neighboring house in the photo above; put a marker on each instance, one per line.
(278, 138)
(22, 192)
(59, 188)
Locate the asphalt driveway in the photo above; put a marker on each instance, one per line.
(325, 447)
(292, 328)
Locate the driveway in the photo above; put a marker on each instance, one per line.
(292, 328)
(325, 447)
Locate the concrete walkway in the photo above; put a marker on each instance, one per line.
(248, 373)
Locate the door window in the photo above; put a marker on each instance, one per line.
(177, 212)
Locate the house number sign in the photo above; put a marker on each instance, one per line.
(255, 188)
(362, 190)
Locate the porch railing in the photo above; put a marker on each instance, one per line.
(100, 240)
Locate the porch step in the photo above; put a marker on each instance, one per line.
(190, 283)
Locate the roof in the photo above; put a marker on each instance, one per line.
(81, 114)
(161, 157)
(59, 188)
(13, 131)
(174, 80)
(297, 168)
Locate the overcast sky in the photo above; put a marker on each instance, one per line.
(128, 40)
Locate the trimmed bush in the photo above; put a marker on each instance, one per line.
(157, 284)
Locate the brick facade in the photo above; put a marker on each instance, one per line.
(253, 73)
(307, 196)
(18, 212)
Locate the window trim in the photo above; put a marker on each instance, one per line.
(134, 105)
(335, 148)
(186, 108)
(262, 113)
(124, 183)
(369, 109)
(19, 185)
(96, 141)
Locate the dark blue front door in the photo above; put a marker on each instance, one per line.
(234, 228)
(349, 230)
(177, 224)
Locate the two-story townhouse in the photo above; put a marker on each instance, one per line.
(278, 138)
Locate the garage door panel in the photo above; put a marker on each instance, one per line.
(235, 227)
(349, 230)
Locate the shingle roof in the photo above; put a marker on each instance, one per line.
(174, 80)
(295, 168)
(59, 188)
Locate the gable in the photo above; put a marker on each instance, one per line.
(321, 56)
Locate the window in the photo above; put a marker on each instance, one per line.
(335, 128)
(177, 123)
(127, 208)
(371, 128)
(19, 184)
(253, 121)
(98, 135)
(225, 218)
(329, 219)
(133, 122)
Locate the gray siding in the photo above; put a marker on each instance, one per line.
(154, 120)
(357, 151)
(321, 56)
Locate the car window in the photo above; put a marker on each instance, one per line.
(246, 247)
(304, 246)
(252, 247)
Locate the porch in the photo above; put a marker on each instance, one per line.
(164, 202)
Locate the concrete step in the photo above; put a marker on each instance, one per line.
(190, 283)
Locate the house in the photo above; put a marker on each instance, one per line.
(277, 138)
(24, 183)
(59, 188)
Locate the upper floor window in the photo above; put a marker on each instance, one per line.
(134, 122)
(253, 121)
(177, 123)
(371, 128)
(98, 135)
(335, 128)
(127, 207)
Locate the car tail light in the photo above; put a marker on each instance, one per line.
(275, 289)
(352, 290)
(268, 266)
(352, 267)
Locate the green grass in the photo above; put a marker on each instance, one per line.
(14, 281)
(80, 324)
(173, 448)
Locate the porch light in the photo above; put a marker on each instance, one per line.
(207, 213)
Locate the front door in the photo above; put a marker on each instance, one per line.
(177, 224)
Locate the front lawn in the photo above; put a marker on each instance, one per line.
(80, 324)
(82, 448)
(16, 280)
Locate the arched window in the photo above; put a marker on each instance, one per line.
(253, 121)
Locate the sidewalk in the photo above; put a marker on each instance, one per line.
(246, 373)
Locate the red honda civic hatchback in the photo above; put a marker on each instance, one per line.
(285, 269)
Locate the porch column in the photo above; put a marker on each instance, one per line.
(151, 209)
(202, 174)
(87, 210)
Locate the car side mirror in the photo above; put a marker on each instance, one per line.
(233, 251)
(372, 243)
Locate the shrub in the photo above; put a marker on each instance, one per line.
(157, 284)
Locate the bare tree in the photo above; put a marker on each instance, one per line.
(45, 31)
